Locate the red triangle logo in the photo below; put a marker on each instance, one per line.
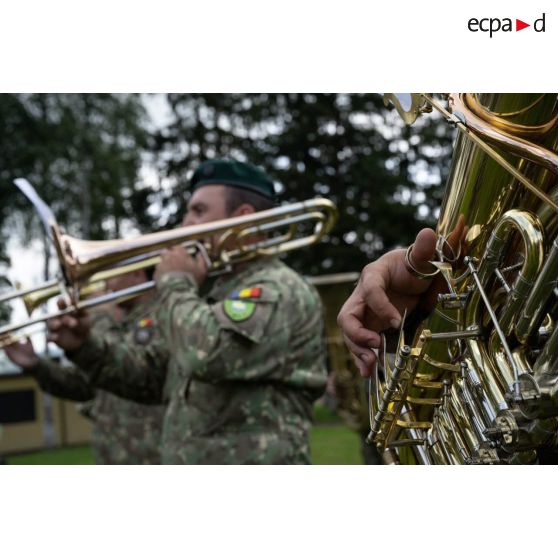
(519, 25)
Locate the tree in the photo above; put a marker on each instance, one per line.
(385, 178)
(81, 152)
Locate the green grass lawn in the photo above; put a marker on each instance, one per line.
(335, 444)
(331, 443)
(79, 455)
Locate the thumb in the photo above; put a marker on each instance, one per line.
(424, 251)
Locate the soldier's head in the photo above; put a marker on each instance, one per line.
(225, 188)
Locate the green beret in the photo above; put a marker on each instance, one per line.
(233, 173)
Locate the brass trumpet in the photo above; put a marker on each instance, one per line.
(84, 263)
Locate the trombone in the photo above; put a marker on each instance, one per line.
(33, 297)
(85, 263)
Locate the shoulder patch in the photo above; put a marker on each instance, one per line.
(143, 331)
(248, 317)
(238, 310)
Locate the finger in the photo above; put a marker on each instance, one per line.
(372, 288)
(71, 322)
(61, 303)
(366, 369)
(354, 330)
(381, 308)
(11, 352)
(65, 322)
(366, 354)
(13, 345)
(83, 313)
(20, 346)
(54, 324)
(363, 370)
(424, 249)
(365, 359)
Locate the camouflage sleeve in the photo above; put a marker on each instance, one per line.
(66, 382)
(216, 342)
(114, 361)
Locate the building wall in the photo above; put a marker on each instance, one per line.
(32, 420)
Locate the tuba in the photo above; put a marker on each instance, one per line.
(478, 381)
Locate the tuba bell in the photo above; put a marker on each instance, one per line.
(478, 382)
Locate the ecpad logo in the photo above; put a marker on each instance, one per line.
(494, 24)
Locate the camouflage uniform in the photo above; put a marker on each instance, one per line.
(247, 361)
(124, 432)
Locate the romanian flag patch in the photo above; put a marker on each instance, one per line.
(254, 292)
(240, 305)
(146, 322)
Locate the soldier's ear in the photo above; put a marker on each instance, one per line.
(243, 209)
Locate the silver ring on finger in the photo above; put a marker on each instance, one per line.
(413, 270)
